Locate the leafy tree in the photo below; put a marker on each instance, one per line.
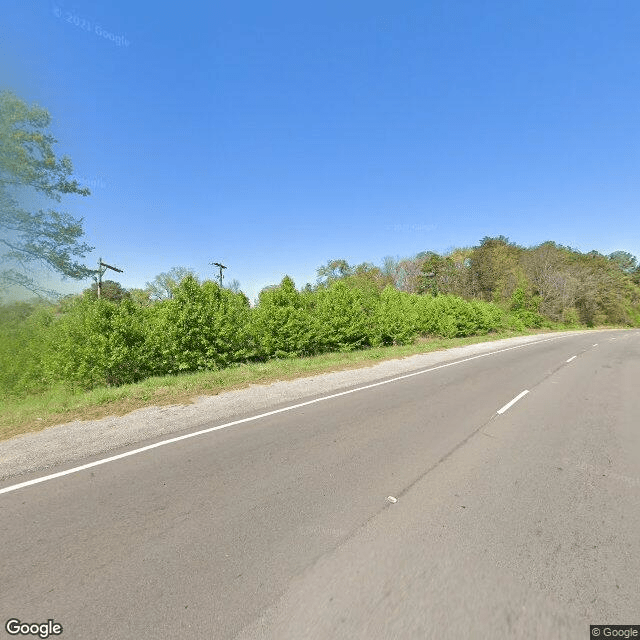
(495, 268)
(604, 292)
(626, 261)
(333, 270)
(29, 166)
(233, 285)
(368, 277)
(452, 273)
(432, 271)
(164, 284)
(551, 278)
(140, 297)
(110, 290)
(523, 308)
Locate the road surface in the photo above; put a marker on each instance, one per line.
(493, 497)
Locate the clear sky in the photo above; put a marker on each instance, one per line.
(274, 136)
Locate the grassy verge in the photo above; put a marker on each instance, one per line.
(59, 405)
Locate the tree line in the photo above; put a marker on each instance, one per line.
(180, 324)
(555, 281)
(85, 342)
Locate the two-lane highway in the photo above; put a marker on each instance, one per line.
(517, 480)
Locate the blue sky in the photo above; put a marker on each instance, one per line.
(274, 136)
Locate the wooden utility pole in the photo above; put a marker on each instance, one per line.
(101, 271)
(220, 267)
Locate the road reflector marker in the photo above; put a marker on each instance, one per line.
(510, 404)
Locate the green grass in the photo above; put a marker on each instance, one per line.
(60, 405)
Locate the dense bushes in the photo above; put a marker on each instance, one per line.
(341, 318)
(87, 343)
(283, 324)
(178, 324)
(24, 339)
(200, 327)
(395, 319)
(451, 317)
(97, 342)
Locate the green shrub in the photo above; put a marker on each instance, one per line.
(396, 319)
(512, 321)
(97, 342)
(529, 319)
(24, 332)
(282, 323)
(200, 327)
(342, 321)
(489, 317)
(450, 317)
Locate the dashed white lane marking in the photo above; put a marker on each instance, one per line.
(510, 404)
(596, 344)
(572, 358)
(201, 432)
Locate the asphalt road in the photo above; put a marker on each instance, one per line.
(511, 520)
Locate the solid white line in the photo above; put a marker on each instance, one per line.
(510, 404)
(572, 358)
(162, 443)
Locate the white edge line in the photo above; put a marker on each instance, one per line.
(510, 404)
(162, 443)
(572, 358)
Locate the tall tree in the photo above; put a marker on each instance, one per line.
(110, 290)
(233, 285)
(494, 266)
(368, 276)
(433, 271)
(141, 297)
(333, 270)
(29, 166)
(164, 284)
(625, 260)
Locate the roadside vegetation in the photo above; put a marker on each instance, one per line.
(179, 337)
(60, 403)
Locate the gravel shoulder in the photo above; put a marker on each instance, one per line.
(77, 440)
